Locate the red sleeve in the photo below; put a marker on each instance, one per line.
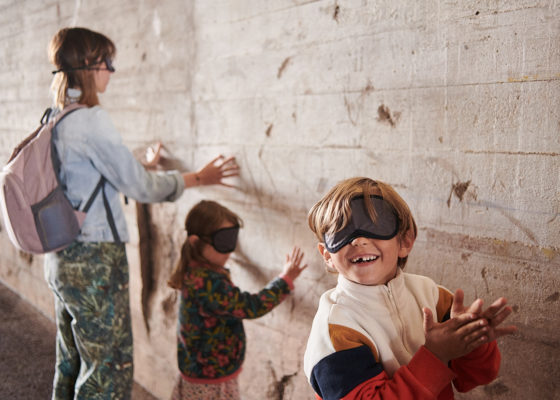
(423, 378)
(479, 367)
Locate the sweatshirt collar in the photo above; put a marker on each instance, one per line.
(356, 289)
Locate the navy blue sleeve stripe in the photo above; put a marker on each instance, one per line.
(337, 374)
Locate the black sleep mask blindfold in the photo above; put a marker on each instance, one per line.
(224, 240)
(108, 67)
(385, 227)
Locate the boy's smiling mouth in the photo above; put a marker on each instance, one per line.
(363, 259)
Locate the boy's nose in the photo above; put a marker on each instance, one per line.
(359, 241)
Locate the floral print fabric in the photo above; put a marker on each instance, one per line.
(94, 333)
(228, 390)
(211, 338)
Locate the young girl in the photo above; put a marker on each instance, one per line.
(89, 278)
(211, 339)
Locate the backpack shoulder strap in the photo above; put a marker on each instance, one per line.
(100, 184)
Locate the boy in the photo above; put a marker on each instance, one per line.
(374, 334)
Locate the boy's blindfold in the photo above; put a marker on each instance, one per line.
(385, 226)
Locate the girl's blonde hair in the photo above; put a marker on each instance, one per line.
(332, 212)
(75, 48)
(202, 220)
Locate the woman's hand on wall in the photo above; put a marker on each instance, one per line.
(213, 173)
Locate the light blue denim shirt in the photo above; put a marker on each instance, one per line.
(89, 146)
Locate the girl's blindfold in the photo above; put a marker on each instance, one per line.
(224, 240)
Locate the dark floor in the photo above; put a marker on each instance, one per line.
(27, 350)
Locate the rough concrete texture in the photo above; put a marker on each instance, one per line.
(454, 103)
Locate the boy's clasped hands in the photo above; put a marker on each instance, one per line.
(467, 328)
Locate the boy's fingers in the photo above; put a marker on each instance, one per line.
(463, 319)
(457, 304)
(428, 319)
(476, 307)
(493, 309)
(479, 333)
(501, 316)
(506, 330)
(473, 329)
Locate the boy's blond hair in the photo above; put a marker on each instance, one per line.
(333, 211)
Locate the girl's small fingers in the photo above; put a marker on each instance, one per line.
(294, 252)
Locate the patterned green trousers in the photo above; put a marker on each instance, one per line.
(94, 333)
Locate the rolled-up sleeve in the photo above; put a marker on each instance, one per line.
(117, 164)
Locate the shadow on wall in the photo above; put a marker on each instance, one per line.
(148, 242)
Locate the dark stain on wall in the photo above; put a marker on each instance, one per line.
(169, 309)
(336, 12)
(143, 217)
(283, 67)
(384, 114)
(553, 297)
(484, 273)
(458, 189)
(268, 130)
(277, 388)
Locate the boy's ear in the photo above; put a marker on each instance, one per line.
(326, 255)
(406, 244)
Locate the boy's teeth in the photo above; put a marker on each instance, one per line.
(364, 259)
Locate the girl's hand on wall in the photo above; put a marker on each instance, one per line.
(293, 267)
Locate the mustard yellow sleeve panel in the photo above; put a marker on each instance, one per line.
(344, 338)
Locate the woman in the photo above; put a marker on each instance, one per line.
(90, 277)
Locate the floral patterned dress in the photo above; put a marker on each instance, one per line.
(211, 338)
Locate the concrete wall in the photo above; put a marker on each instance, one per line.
(454, 103)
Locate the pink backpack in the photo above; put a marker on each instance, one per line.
(38, 216)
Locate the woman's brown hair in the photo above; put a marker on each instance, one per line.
(74, 48)
(202, 220)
